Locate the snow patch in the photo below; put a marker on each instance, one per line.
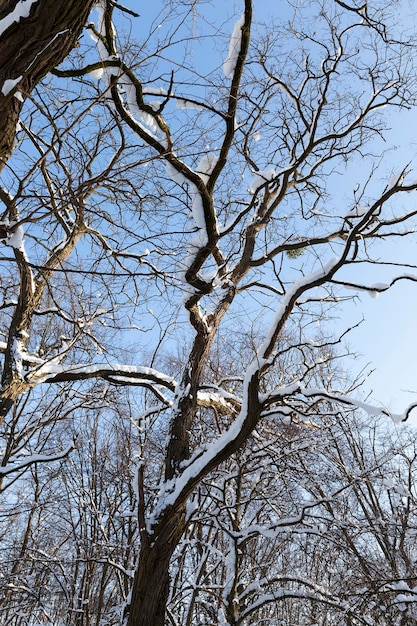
(15, 239)
(234, 48)
(206, 166)
(132, 103)
(97, 74)
(358, 211)
(395, 180)
(155, 91)
(174, 174)
(17, 352)
(181, 103)
(10, 84)
(197, 210)
(261, 178)
(21, 10)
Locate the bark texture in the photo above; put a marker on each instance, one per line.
(152, 582)
(30, 48)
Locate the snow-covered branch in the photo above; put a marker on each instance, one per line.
(19, 465)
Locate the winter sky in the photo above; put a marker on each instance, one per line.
(387, 339)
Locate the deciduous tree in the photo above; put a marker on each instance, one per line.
(159, 198)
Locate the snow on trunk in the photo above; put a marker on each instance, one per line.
(21, 10)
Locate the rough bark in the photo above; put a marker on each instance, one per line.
(152, 582)
(30, 48)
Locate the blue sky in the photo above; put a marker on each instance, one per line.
(387, 340)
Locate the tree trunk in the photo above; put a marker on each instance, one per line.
(152, 581)
(29, 49)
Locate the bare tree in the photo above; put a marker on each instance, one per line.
(311, 522)
(69, 552)
(154, 203)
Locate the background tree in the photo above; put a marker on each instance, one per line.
(68, 555)
(154, 202)
(289, 529)
(294, 533)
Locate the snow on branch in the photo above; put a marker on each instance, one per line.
(298, 288)
(181, 174)
(234, 48)
(146, 120)
(35, 458)
(312, 592)
(187, 103)
(261, 178)
(100, 40)
(339, 398)
(10, 84)
(292, 524)
(375, 289)
(202, 212)
(130, 373)
(53, 372)
(219, 399)
(21, 11)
